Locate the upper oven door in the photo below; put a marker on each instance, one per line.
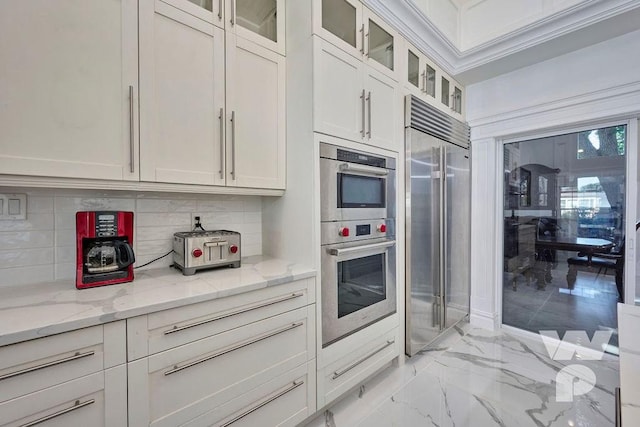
(350, 191)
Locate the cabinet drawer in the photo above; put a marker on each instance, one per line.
(167, 329)
(343, 374)
(94, 400)
(178, 385)
(283, 401)
(37, 364)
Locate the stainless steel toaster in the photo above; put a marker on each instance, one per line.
(198, 250)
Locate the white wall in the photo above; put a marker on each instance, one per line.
(592, 85)
(484, 20)
(42, 247)
(445, 15)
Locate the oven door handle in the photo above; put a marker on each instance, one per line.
(368, 170)
(355, 249)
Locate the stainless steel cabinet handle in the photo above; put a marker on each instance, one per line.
(368, 42)
(233, 313)
(76, 356)
(76, 405)
(362, 39)
(364, 169)
(355, 249)
(363, 107)
(221, 117)
(220, 10)
(233, 12)
(233, 145)
(369, 114)
(132, 168)
(178, 368)
(341, 372)
(265, 401)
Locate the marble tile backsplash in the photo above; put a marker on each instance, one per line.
(42, 247)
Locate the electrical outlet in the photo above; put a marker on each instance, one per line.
(13, 206)
(196, 222)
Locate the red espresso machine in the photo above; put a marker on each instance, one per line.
(104, 255)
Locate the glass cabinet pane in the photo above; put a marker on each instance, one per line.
(339, 18)
(457, 100)
(444, 93)
(380, 45)
(431, 81)
(413, 73)
(259, 16)
(206, 4)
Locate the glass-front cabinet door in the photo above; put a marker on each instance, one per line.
(340, 23)
(379, 44)
(259, 21)
(208, 10)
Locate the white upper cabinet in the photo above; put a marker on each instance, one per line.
(68, 89)
(339, 95)
(354, 101)
(255, 116)
(208, 10)
(422, 78)
(259, 21)
(181, 96)
(358, 31)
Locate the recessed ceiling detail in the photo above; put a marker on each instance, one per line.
(477, 39)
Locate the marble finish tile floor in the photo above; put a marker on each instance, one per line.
(480, 378)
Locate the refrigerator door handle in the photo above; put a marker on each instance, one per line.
(443, 236)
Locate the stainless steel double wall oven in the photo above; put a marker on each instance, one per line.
(358, 193)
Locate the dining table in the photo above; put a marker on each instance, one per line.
(586, 246)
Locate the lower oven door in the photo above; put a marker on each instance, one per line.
(358, 286)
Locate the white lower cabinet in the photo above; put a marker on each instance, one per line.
(94, 400)
(284, 401)
(178, 385)
(355, 358)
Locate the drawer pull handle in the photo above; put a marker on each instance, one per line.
(234, 347)
(75, 406)
(265, 401)
(76, 356)
(242, 310)
(340, 373)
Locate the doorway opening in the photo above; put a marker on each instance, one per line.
(564, 231)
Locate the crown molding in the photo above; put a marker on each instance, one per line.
(416, 27)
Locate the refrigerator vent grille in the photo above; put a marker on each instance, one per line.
(428, 119)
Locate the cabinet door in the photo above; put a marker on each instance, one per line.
(260, 21)
(181, 97)
(340, 23)
(338, 93)
(380, 50)
(383, 112)
(208, 10)
(256, 139)
(96, 400)
(69, 84)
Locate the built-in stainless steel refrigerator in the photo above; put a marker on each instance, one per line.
(437, 182)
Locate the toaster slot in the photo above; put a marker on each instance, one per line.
(215, 251)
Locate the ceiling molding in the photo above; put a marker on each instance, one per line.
(416, 27)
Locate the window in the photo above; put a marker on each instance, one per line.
(605, 142)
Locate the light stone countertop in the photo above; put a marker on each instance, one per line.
(629, 342)
(38, 310)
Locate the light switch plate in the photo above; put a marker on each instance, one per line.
(13, 206)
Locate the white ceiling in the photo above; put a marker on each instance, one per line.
(474, 40)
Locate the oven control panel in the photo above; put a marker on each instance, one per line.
(351, 231)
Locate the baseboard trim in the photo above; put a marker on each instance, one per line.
(484, 320)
